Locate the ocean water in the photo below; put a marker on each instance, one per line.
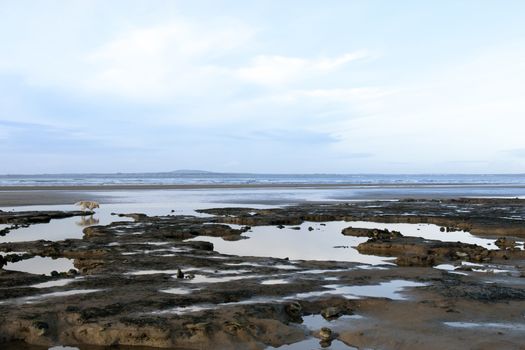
(205, 178)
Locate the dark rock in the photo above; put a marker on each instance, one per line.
(325, 333)
(331, 312)
(294, 310)
(505, 243)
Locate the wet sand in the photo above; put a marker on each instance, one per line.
(126, 288)
(54, 195)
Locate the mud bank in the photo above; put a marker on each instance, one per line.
(150, 283)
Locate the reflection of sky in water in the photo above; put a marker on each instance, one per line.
(428, 231)
(40, 265)
(297, 244)
(488, 325)
(149, 202)
(391, 290)
(316, 322)
(313, 343)
(319, 244)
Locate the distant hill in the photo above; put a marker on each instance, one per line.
(191, 171)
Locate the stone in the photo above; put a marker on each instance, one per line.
(325, 333)
(331, 312)
(294, 310)
(505, 243)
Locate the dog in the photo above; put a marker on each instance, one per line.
(88, 205)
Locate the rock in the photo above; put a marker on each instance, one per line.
(294, 310)
(371, 233)
(416, 260)
(505, 243)
(40, 327)
(331, 312)
(325, 333)
(310, 228)
(2, 261)
(54, 273)
(295, 228)
(180, 274)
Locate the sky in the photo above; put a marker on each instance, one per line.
(265, 86)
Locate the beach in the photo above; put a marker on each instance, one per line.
(259, 266)
(14, 195)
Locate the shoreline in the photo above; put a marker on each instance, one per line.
(15, 196)
(247, 186)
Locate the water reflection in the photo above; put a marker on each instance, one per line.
(41, 265)
(303, 244)
(88, 221)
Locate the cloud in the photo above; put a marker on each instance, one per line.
(275, 70)
(518, 152)
(161, 62)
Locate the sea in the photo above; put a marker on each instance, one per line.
(212, 178)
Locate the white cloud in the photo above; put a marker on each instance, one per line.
(166, 61)
(468, 111)
(278, 70)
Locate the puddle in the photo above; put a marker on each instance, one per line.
(283, 267)
(459, 269)
(316, 322)
(152, 272)
(202, 307)
(149, 202)
(7, 253)
(178, 291)
(302, 244)
(391, 290)
(427, 231)
(41, 265)
(321, 242)
(275, 281)
(41, 297)
(208, 279)
(313, 344)
(56, 283)
(170, 250)
(63, 348)
(487, 325)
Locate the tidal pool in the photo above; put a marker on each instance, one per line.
(302, 244)
(41, 265)
(391, 290)
(519, 327)
(314, 344)
(324, 241)
(149, 202)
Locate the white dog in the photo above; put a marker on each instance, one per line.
(87, 205)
